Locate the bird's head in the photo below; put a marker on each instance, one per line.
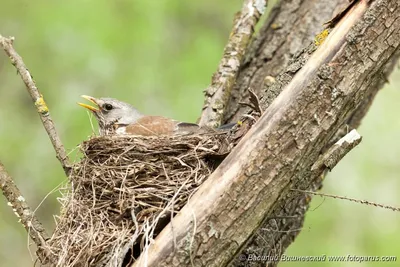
(110, 111)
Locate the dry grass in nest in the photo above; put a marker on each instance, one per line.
(124, 190)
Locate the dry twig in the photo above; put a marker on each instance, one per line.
(360, 201)
(37, 97)
(21, 209)
(217, 94)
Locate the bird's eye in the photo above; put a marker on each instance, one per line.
(108, 107)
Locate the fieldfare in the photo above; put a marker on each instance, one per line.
(114, 116)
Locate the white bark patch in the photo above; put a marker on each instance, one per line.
(350, 138)
(251, 9)
(260, 6)
(21, 199)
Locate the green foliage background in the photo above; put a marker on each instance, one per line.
(159, 55)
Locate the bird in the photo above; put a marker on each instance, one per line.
(117, 117)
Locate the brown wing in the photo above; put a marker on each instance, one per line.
(186, 128)
(158, 125)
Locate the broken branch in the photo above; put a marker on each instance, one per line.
(335, 153)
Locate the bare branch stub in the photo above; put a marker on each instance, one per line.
(25, 214)
(335, 153)
(37, 97)
(217, 94)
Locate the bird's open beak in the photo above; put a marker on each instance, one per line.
(91, 99)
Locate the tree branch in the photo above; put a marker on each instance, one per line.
(275, 57)
(25, 214)
(217, 94)
(280, 229)
(290, 27)
(335, 153)
(37, 97)
(278, 152)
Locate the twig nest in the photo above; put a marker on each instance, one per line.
(124, 191)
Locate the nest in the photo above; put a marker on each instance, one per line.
(124, 191)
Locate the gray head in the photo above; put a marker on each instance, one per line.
(110, 111)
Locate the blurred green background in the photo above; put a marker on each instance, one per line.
(159, 55)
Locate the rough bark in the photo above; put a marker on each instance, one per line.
(271, 54)
(255, 185)
(217, 94)
(291, 27)
(279, 230)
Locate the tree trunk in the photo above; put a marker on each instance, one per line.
(308, 94)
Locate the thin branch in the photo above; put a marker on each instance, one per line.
(217, 94)
(360, 201)
(25, 214)
(37, 97)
